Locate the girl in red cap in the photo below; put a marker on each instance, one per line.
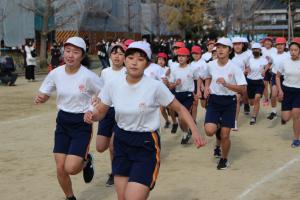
(182, 79)
(289, 91)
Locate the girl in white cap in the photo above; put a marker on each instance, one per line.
(137, 100)
(107, 124)
(224, 80)
(289, 91)
(256, 70)
(75, 85)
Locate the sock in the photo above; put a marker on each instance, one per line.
(274, 110)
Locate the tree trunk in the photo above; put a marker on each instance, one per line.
(44, 35)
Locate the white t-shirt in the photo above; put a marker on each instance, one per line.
(109, 73)
(230, 72)
(172, 64)
(200, 66)
(154, 71)
(165, 70)
(207, 56)
(29, 59)
(278, 59)
(291, 71)
(256, 67)
(241, 60)
(187, 75)
(137, 106)
(74, 91)
(267, 53)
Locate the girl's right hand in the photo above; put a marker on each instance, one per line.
(88, 117)
(280, 95)
(41, 98)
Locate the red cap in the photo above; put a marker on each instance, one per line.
(162, 55)
(179, 44)
(196, 49)
(280, 40)
(296, 40)
(183, 52)
(128, 42)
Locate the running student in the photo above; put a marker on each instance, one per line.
(106, 125)
(162, 59)
(224, 80)
(182, 79)
(75, 85)
(210, 44)
(136, 141)
(278, 59)
(289, 91)
(258, 67)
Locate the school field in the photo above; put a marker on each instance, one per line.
(263, 165)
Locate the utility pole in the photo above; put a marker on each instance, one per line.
(157, 19)
(289, 21)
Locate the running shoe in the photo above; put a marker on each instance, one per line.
(223, 164)
(235, 126)
(186, 137)
(167, 124)
(71, 198)
(110, 180)
(217, 152)
(88, 170)
(247, 109)
(272, 116)
(295, 143)
(252, 121)
(174, 128)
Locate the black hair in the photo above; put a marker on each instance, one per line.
(298, 45)
(132, 51)
(115, 49)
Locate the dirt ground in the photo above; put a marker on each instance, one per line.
(263, 165)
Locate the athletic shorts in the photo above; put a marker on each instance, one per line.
(107, 124)
(255, 87)
(72, 134)
(268, 75)
(221, 110)
(291, 98)
(185, 98)
(137, 156)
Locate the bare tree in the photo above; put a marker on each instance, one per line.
(48, 9)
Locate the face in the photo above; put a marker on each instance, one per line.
(161, 62)
(210, 47)
(196, 56)
(268, 44)
(223, 51)
(72, 55)
(135, 65)
(256, 52)
(294, 51)
(175, 49)
(117, 57)
(280, 48)
(238, 47)
(182, 59)
(214, 55)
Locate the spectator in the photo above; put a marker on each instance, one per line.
(30, 61)
(7, 74)
(55, 56)
(102, 54)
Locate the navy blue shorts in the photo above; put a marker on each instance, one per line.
(291, 98)
(273, 79)
(72, 134)
(255, 87)
(137, 156)
(185, 98)
(268, 75)
(221, 110)
(107, 124)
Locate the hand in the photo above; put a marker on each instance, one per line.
(95, 101)
(247, 70)
(197, 96)
(221, 80)
(280, 95)
(168, 72)
(198, 140)
(165, 80)
(41, 98)
(178, 82)
(206, 92)
(263, 73)
(88, 117)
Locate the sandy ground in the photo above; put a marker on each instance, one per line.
(263, 165)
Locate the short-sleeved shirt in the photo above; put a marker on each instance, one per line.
(137, 106)
(201, 67)
(231, 73)
(278, 59)
(187, 75)
(207, 56)
(290, 69)
(74, 91)
(256, 66)
(154, 71)
(241, 60)
(109, 73)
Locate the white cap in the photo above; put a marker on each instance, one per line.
(225, 41)
(77, 41)
(143, 46)
(237, 40)
(244, 40)
(256, 46)
(214, 49)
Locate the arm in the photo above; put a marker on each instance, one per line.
(278, 84)
(187, 118)
(41, 98)
(206, 88)
(99, 112)
(236, 88)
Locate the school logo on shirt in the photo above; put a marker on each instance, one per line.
(82, 88)
(230, 76)
(142, 107)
